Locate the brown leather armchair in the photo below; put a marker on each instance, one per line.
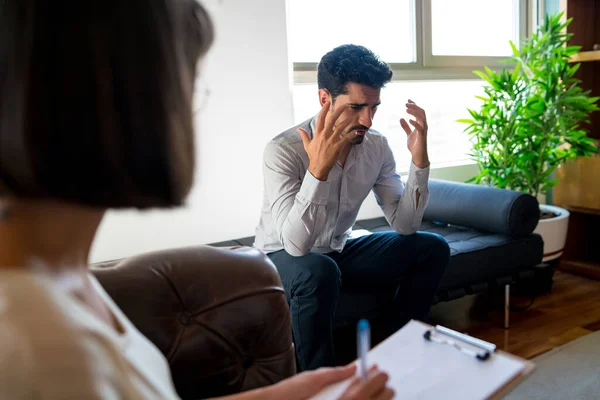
(219, 315)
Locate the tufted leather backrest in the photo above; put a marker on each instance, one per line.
(219, 315)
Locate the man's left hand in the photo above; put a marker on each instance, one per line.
(416, 138)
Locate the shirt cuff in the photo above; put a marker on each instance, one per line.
(314, 190)
(418, 177)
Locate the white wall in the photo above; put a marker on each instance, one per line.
(250, 101)
(249, 78)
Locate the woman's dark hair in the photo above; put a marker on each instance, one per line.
(351, 63)
(96, 100)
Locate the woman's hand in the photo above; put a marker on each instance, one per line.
(374, 388)
(308, 384)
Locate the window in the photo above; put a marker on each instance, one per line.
(432, 45)
(311, 37)
(471, 32)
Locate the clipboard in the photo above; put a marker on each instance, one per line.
(513, 383)
(427, 362)
(486, 351)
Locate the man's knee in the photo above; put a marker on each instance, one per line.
(319, 271)
(440, 245)
(437, 248)
(310, 271)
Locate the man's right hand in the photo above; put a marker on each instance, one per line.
(328, 140)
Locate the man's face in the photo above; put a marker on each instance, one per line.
(362, 104)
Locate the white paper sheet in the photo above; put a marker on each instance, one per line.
(420, 369)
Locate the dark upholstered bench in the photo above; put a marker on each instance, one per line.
(490, 235)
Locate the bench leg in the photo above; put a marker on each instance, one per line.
(506, 306)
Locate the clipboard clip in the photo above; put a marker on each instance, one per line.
(437, 334)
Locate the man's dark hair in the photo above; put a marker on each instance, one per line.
(96, 100)
(351, 63)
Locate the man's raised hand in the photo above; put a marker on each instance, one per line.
(328, 140)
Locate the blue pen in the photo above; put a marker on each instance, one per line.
(363, 344)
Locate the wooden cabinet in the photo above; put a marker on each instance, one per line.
(579, 187)
(585, 28)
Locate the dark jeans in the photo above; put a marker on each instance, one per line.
(312, 284)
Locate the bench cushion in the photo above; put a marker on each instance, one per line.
(476, 257)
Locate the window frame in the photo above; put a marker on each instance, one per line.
(430, 67)
(466, 61)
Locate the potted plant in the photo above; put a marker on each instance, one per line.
(530, 121)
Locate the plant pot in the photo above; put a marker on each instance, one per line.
(553, 231)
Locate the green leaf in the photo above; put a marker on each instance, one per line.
(592, 100)
(484, 77)
(490, 72)
(571, 50)
(474, 114)
(574, 69)
(516, 72)
(514, 49)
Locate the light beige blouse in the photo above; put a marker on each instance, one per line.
(52, 347)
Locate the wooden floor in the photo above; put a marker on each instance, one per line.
(569, 311)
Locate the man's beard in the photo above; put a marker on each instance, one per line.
(358, 139)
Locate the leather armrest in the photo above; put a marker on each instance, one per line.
(219, 315)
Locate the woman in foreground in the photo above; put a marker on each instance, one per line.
(95, 113)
